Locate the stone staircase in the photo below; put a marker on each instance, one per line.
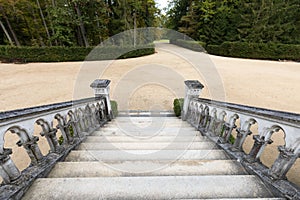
(148, 158)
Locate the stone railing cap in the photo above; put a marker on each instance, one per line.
(100, 83)
(193, 84)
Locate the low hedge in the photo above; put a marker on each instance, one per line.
(190, 44)
(270, 51)
(62, 54)
(114, 108)
(177, 106)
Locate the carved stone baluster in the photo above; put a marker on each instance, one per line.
(220, 122)
(64, 129)
(212, 123)
(74, 124)
(50, 134)
(240, 139)
(8, 170)
(31, 146)
(242, 134)
(256, 151)
(283, 163)
(228, 129)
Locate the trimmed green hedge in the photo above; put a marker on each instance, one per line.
(190, 44)
(62, 54)
(177, 106)
(114, 107)
(271, 51)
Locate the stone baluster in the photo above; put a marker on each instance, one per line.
(259, 143)
(74, 123)
(220, 122)
(29, 144)
(8, 170)
(102, 91)
(192, 90)
(64, 129)
(284, 162)
(50, 134)
(212, 123)
(242, 134)
(228, 128)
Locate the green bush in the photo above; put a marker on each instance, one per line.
(271, 51)
(177, 106)
(62, 54)
(114, 107)
(190, 44)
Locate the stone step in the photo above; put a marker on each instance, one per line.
(136, 168)
(145, 133)
(163, 187)
(142, 155)
(149, 146)
(158, 139)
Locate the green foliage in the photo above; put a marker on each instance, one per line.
(62, 54)
(257, 21)
(271, 51)
(193, 45)
(231, 139)
(71, 22)
(177, 106)
(114, 107)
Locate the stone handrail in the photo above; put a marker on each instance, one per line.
(217, 120)
(75, 120)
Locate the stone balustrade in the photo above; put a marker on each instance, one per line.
(75, 120)
(217, 120)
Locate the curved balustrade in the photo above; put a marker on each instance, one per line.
(218, 119)
(75, 120)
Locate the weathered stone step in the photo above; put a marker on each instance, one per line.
(158, 139)
(144, 133)
(149, 146)
(148, 125)
(136, 168)
(142, 155)
(163, 187)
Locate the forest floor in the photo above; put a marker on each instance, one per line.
(267, 84)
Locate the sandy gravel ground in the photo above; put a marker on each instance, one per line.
(151, 83)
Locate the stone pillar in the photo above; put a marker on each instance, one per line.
(8, 170)
(102, 89)
(283, 163)
(192, 90)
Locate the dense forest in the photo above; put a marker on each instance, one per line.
(89, 22)
(254, 21)
(71, 22)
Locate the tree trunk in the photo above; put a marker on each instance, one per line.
(44, 21)
(82, 29)
(10, 28)
(6, 33)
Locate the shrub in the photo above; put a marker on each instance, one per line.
(114, 108)
(177, 106)
(271, 51)
(190, 44)
(63, 54)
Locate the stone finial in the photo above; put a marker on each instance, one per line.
(193, 89)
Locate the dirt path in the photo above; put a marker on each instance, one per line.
(152, 82)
